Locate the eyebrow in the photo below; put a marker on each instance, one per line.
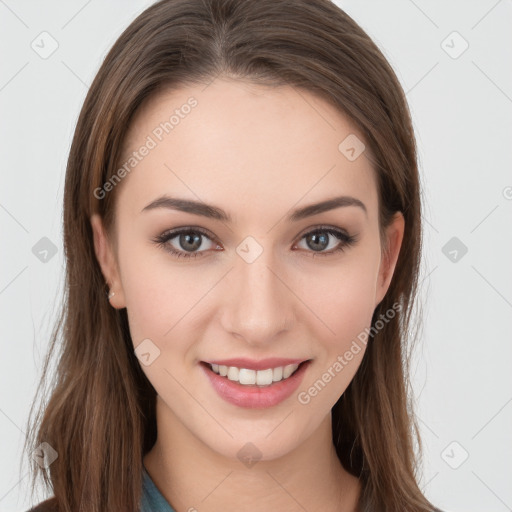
(214, 212)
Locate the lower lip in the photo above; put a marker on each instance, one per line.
(255, 397)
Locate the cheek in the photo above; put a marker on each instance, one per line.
(345, 309)
(158, 294)
(351, 311)
(342, 299)
(160, 302)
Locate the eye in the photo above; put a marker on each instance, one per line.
(318, 240)
(190, 240)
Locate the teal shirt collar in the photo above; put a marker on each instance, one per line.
(152, 499)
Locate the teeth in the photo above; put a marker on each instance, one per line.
(277, 374)
(288, 370)
(251, 377)
(233, 373)
(264, 377)
(246, 376)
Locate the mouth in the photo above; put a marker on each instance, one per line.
(252, 377)
(255, 388)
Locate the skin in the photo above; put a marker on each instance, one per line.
(257, 153)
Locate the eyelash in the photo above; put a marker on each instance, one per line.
(162, 240)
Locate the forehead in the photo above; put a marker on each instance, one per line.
(247, 147)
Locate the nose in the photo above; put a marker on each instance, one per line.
(259, 304)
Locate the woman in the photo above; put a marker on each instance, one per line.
(242, 235)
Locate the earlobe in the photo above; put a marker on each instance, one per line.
(394, 233)
(107, 262)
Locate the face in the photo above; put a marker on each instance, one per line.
(247, 277)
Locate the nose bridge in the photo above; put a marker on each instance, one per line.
(258, 305)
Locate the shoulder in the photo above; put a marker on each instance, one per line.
(49, 505)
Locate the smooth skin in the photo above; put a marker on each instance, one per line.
(258, 153)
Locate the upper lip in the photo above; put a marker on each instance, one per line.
(252, 364)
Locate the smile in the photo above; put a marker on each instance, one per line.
(255, 388)
(249, 377)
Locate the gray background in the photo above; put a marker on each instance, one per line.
(461, 104)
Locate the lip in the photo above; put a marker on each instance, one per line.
(251, 364)
(253, 396)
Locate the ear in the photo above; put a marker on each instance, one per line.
(107, 261)
(394, 237)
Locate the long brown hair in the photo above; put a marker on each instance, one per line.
(100, 414)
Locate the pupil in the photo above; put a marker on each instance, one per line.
(319, 241)
(185, 239)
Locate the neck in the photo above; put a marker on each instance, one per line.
(191, 475)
